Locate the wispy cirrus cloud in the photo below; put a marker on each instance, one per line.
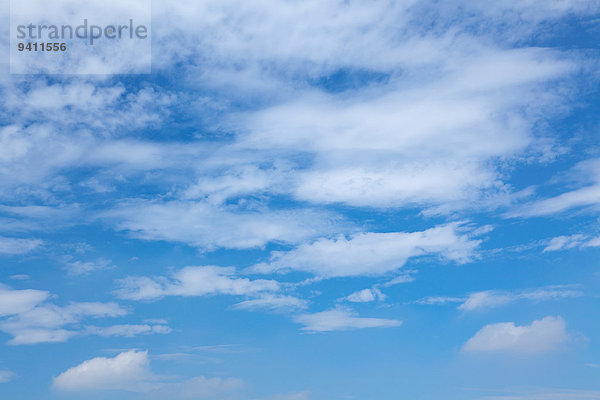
(496, 298)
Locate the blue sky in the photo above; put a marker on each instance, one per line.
(310, 200)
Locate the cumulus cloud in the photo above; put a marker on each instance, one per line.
(193, 281)
(131, 371)
(127, 371)
(540, 336)
(341, 319)
(372, 253)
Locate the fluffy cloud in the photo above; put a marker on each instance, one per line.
(193, 281)
(30, 318)
(372, 253)
(542, 335)
(341, 319)
(48, 322)
(365, 296)
(130, 371)
(127, 371)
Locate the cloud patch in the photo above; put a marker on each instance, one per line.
(538, 337)
(341, 319)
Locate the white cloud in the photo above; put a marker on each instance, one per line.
(208, 226)
(496, 298)
(372, 253)
(572, 241)
(194, 281)
(585, 197)
(272, 302)
(130, 371)
(6, 376)
(49, 322)
(405, 277)
(18, 301)
(542, 335)
(18, 246)
(127, 371)
(87, 267)
(341, 319)
(366, 296)
(435, 300)
(127, 330)
(30, 318)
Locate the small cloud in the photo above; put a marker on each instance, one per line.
(6, 376)
(365, 296)
(19, 277)
(406, 277)
(127, 371)
(273, 303)
(127, 330)
(131, 371)
(85, 268)
(541, 336)
(496, 298)
(193, 281)
(436, 300)
(341, 319)
(14, 246)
